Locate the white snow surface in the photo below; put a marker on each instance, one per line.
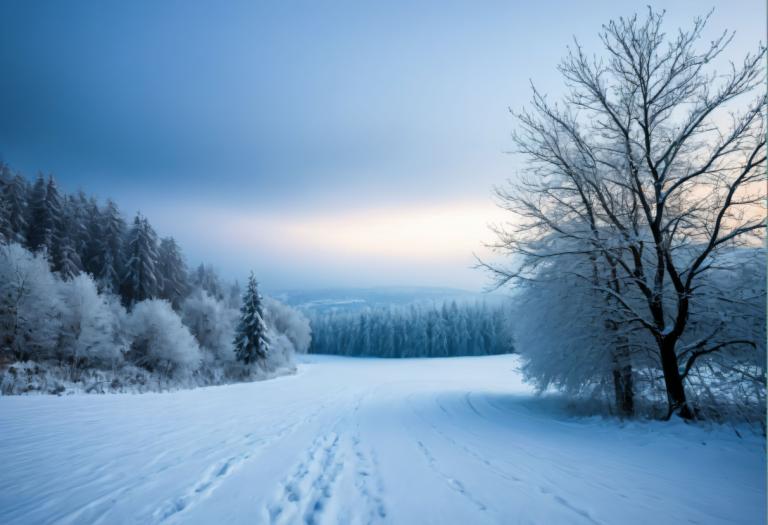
(358, 441)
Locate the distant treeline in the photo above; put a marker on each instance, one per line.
(415, 331)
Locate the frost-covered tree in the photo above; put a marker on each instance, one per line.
(212, 323)
(172, 273)
(206, 278)
(160, 342)
(110, 265)
(30, 308)
(44, 210)
(6, 233)
(140, 279)
(90, 248)
(90, 331)
(67, 261)
(235, 296)
(564, 334)
(75, 223)
(251, 339)
(70, 239)
(290, 322)
(652, 170)
(14, 197)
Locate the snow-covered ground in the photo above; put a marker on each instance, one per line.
(441, 441)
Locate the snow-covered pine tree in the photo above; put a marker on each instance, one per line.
(234, 296)
(140, 280)
(67, 262)
(91, 250)
(205, 278)
(44, 215)
(15, 198)
(172, 273)
(111, 248)
(66, 257)
(251, 340)
(5, 225)
(76, 212)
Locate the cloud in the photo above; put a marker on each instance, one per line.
(389, 244)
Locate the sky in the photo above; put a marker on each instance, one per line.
(321, 144)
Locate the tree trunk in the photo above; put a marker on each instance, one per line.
(623, 386)
(673, 381)
(624, 392)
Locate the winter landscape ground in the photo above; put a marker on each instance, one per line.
(270, 263)
(352, 440)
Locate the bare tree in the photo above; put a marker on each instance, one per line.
(652, 168)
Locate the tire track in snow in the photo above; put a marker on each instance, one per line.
(496, 470)
(468, 450)
(452, 482)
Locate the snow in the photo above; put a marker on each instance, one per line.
(351, 440)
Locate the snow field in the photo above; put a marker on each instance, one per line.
(365, 441)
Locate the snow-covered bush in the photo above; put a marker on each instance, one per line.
(30, 309)
(290, 322)
(281, 351)
(90, 330)
(212, 323)
(160, 342)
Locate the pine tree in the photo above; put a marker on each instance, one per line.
(66, 257)
(234, 296)
(67, 260)
(172, 272)
(205, 278)
(91, 253)
(140, 280)
(111, 254)
(15, 198)
(5, 225)
(44, 216)
(251, 341)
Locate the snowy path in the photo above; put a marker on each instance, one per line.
(363, 441)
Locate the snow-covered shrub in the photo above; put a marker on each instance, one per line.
(90, 330)
(212, 323)
(290, 322)
(30, 309)
(281, 351)
(160, 342)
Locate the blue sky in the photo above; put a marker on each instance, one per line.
(320, 143)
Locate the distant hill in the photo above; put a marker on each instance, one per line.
(351, 299)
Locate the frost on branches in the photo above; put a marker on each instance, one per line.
(634, 232)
